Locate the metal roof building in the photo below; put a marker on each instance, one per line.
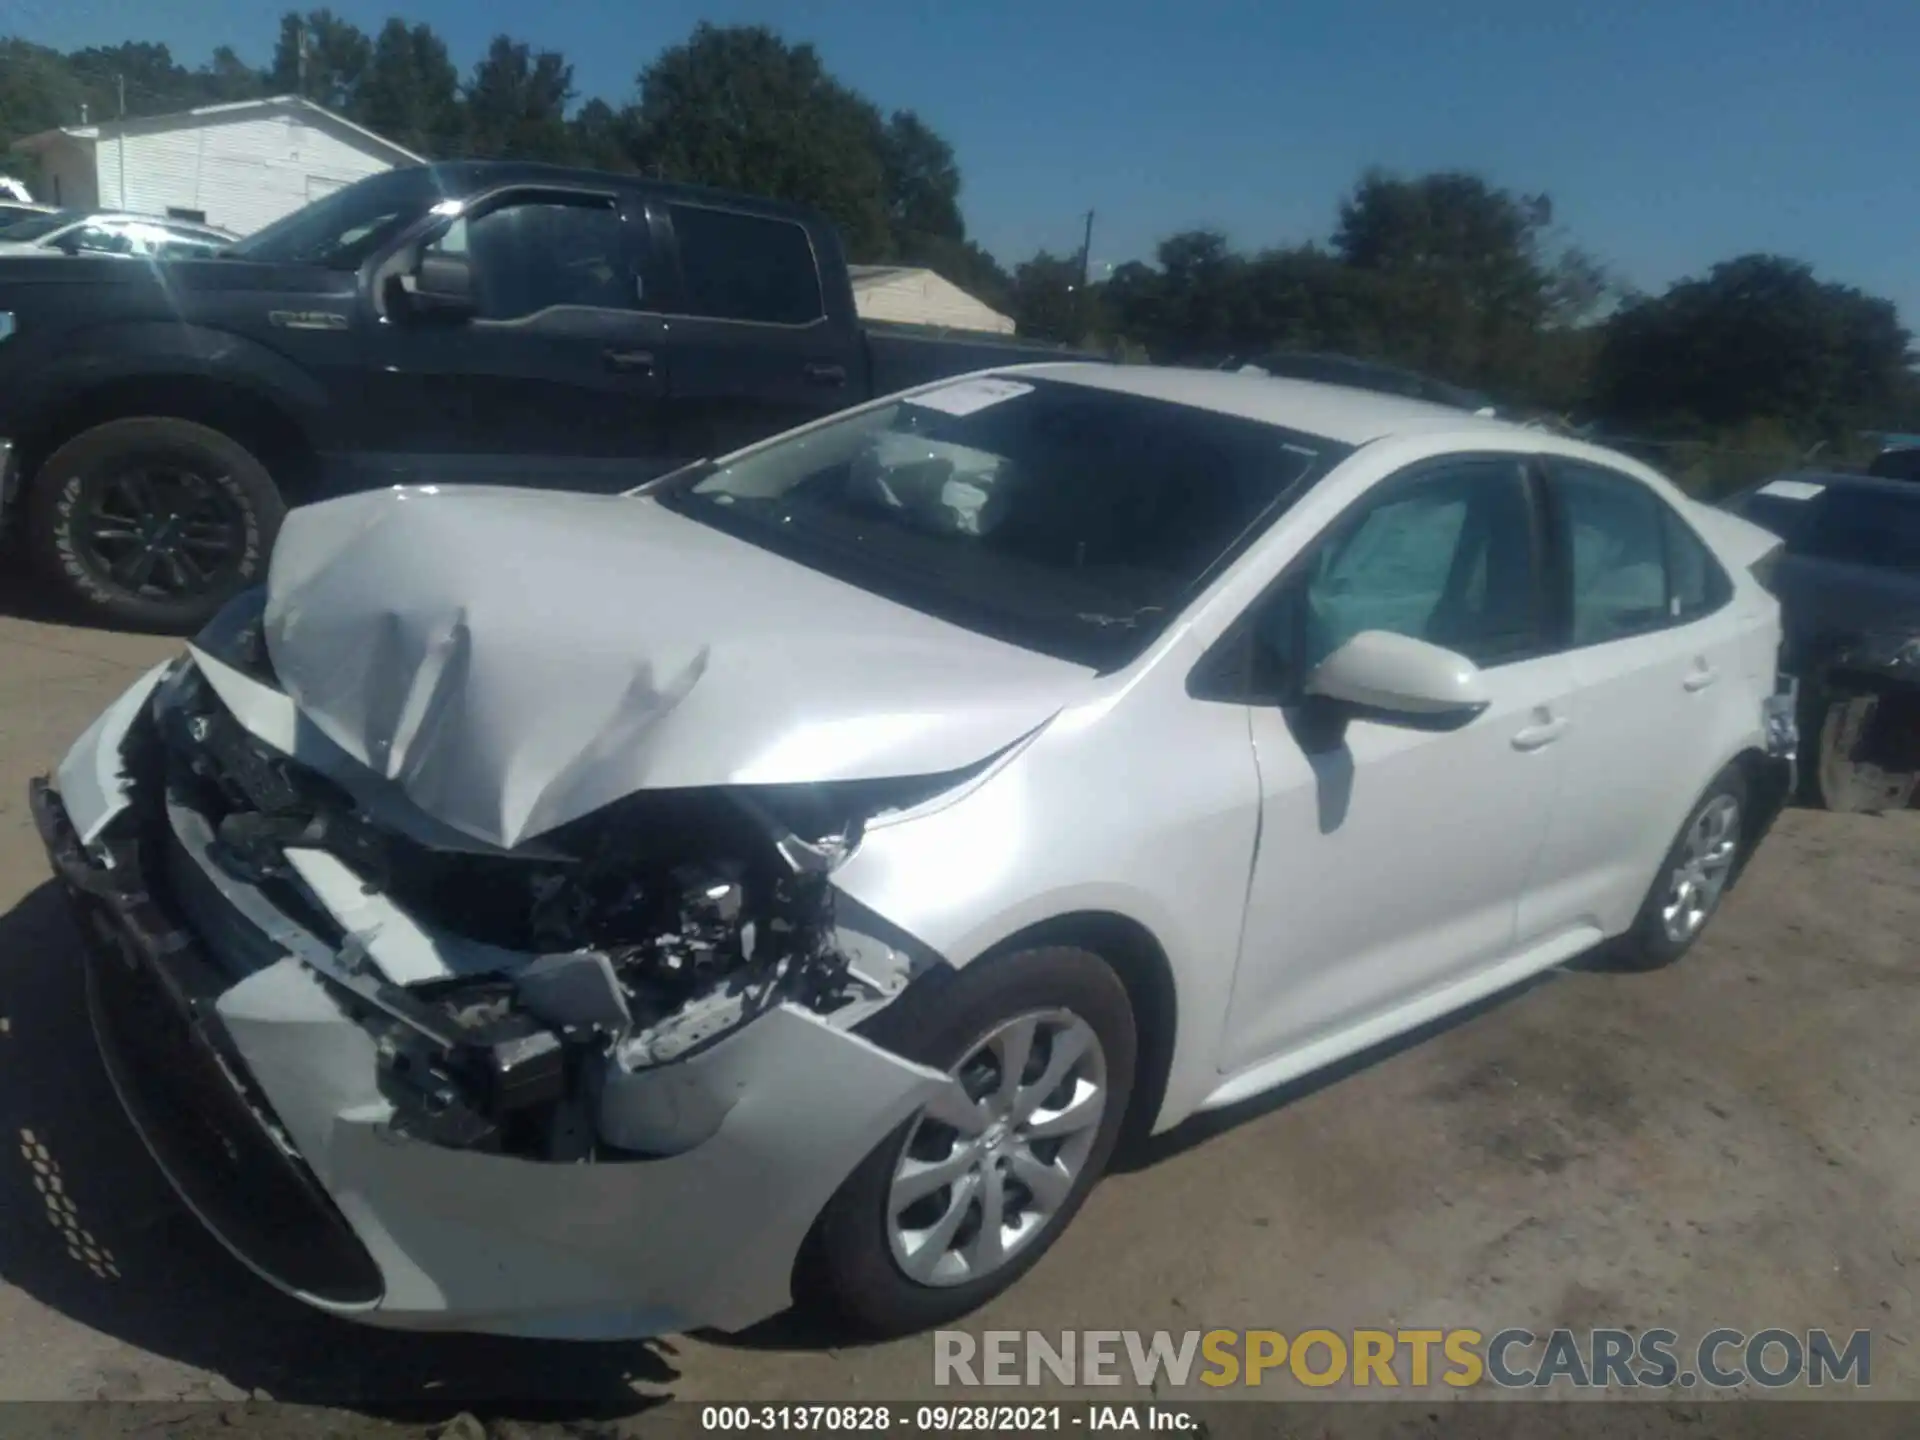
(909, 295)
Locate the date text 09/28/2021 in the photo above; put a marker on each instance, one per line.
(963, 1418)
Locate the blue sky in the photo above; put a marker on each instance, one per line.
(1669, 135)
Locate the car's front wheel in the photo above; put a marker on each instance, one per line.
(961, 1200)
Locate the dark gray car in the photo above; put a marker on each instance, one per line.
(1848, 580)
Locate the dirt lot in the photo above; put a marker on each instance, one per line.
(1731, 1142)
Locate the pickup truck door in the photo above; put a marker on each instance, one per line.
(555, 381)
(755, 343)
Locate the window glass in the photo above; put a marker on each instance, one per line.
(102, 240)
(535, 255)
(1447, 559)
(1873, 527)
(1698, 583)
(1616, 546)
(746, 267)
(1067, 518)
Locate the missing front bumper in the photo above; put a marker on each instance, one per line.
(284, 1144)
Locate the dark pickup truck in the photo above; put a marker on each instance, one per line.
(472, 322)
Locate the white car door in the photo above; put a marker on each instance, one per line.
(1391, 859)
(1655, 666)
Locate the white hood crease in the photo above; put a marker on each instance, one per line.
(514, 660)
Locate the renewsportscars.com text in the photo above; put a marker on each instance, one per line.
(1513, 1358)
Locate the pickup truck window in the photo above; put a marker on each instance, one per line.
(537, 254)
(746, 267)
(1064, 518)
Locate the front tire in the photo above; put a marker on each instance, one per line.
(961, 1200)
(1693, 877)
(151, 523)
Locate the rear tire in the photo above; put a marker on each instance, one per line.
(1693, 878)
(857, 1260)
(150, 523)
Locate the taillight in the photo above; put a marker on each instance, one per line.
(1765, 567)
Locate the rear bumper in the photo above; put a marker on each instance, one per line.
(260, 1096)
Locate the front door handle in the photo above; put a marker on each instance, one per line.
(1536, 736)
(629, 362)
(824, 372)
(1701, 677)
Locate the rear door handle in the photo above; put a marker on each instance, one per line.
(1702, 677)
(1536, 736)
(824, 372)
(629, 362)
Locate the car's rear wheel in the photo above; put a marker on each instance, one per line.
(1693, 878)
(961, 1200)
(152, 523)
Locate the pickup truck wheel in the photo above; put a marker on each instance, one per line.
(152, 524)
(961, 1200)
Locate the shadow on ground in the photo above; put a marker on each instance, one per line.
(89, 1228)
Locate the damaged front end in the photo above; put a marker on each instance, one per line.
(524, 1002)
(1866, 724)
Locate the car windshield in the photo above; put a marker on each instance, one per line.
(1064, 518)
(342, 229)
(41, 226)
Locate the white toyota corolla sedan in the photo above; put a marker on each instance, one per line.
(596, 916)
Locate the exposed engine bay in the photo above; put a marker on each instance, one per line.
(571, 972)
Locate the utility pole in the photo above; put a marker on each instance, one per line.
(1086, 251)
(300, 57)
(120, 82)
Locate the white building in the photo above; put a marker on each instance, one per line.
(237, 166)
(911, 296)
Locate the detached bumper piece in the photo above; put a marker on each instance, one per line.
(151, 993)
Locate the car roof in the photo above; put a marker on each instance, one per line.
(1343, 413)
(457, 176)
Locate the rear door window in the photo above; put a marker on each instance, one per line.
(746, 267)
(1875, 527)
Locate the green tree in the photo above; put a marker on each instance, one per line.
(741, 108)
(601, 137)
(1757, 338)
(410, 91)
(516, 103)
(321, 56)
(227, 78)
(922, 182)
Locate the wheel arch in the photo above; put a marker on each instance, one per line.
(1145, 971)
(264, 426)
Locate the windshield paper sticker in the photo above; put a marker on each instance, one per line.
(966, 396)
(1792, 489)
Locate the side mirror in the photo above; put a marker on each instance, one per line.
(442, 287)
(1401, 680)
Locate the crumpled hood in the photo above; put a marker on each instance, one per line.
(514, 660)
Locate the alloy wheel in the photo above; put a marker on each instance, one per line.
(160, 529)
(989, 1164)
(1706, 860)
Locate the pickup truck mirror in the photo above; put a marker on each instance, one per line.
(442, 286)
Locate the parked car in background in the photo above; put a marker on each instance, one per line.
(12, 212)
(838, 843)
(1897, 462)
(1848, 580)
(111, 232)
(512, 322)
